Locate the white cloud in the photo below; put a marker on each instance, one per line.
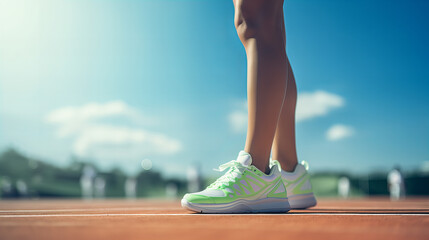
(113, 141)
(316, 104)
(309, 105)
(238, 118)
(339, 131)
(96, 134)
(72, 120)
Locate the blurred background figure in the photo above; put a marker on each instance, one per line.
(87, 182)
(6, 189)
(99, 187)
(344, 187)
(131, 188)
(396, 184)
(22, 188)
(194, 178)
(171, 191)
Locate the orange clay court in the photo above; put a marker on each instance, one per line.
(374, 218)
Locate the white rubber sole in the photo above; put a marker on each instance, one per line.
(302, 201)
(265, 205)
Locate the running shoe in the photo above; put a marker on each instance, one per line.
(242, 189)
(298, 185)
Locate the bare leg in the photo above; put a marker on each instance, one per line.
(284, 147)
(259, 26)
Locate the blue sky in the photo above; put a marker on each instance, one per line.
(121, 81)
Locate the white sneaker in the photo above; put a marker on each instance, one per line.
(243, 188)
(298, 186)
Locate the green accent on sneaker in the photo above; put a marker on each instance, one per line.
(282, 194)
(234, 184)
(299, 182)
(196, 198)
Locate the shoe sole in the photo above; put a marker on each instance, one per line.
(302, 201)
(266, 205)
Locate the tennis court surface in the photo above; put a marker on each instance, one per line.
(374, 218)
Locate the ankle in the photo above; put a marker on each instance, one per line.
(260, 160)
(289, 167)
(287, 162)
(263, 168)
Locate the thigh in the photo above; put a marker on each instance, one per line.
(259, 5)
(258, 10)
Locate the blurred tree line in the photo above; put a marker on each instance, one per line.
(21, 176)
(371, 184)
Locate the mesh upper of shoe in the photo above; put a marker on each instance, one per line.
(234, 175)
(297, 173)
(274, 171)
(299, 182)
(300, 170)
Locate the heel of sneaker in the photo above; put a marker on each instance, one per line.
(302, 201)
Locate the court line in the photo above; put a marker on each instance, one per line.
(213, 215)
(86, 209)
(418, 211)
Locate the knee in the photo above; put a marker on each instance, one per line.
(254, 18)
(246, 21)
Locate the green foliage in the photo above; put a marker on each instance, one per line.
(324, 185)
(46, 180)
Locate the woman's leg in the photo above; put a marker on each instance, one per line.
(284, 147)
(259, 26)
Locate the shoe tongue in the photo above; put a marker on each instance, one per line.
(244, 158)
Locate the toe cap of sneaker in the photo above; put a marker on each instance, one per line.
(197, 198)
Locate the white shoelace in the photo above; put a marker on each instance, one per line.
(236, 170)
